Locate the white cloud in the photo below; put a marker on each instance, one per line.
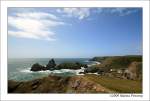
(79, 13)
(117, 10)
(120, 11)
(43, 35)
(33, 25)
(82, 13)
(38, 15)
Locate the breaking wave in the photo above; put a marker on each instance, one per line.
(61, 71)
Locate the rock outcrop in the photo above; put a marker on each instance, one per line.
(37, 67)
(51, 65)
(135, 70)
(81, 84)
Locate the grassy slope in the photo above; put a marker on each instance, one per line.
(118, 61)
(116, 84)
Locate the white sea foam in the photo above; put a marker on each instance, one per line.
(97, 62)
(94, 63)
(27, 70)
(76, 72)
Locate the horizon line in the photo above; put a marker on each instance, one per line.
(73, 57)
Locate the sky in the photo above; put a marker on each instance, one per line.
(74, 32)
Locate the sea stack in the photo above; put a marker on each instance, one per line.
(51, 65)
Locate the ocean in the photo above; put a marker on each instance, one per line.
(19, 69)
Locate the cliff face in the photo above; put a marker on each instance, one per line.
(55, 84)
(135, 69)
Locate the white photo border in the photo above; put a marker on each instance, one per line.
(5, 4)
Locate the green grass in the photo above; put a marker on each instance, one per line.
(117, 62)
(116, 84)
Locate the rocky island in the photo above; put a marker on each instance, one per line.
(52, 66)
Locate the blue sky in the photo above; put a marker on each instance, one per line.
(74, 32)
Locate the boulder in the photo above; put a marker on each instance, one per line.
(37, 67)
(51, 65)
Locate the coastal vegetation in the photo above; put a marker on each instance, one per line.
(117, 62)
(117, 84)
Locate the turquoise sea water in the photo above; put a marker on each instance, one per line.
(19, 69)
